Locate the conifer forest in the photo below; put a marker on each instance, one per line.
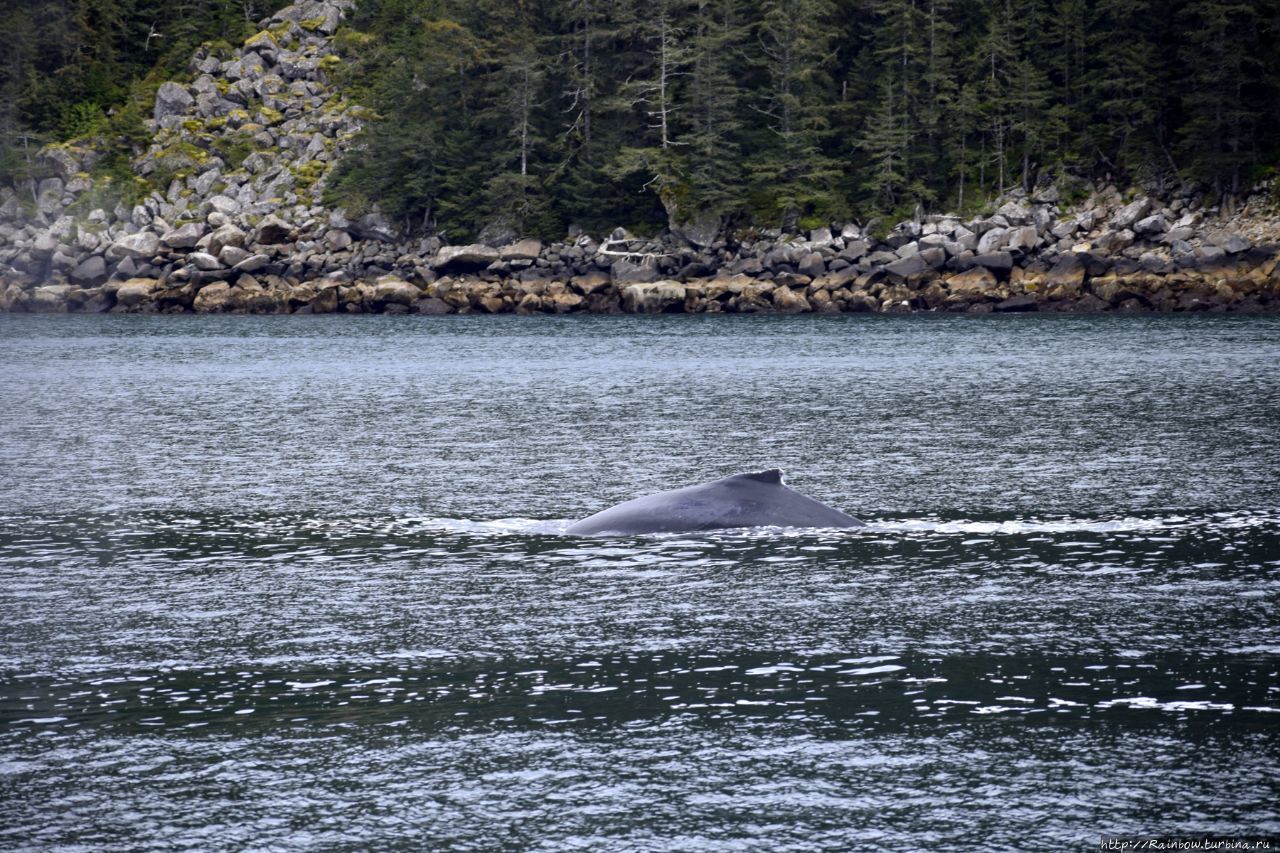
(538, 115)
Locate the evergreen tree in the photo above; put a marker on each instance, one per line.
(1218, 136)
(792, 170)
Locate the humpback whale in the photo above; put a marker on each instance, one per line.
(759, 499)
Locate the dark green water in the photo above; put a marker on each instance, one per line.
(296, 583)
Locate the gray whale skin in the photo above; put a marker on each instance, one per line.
(743, 500)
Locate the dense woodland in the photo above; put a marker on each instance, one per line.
(529, 115)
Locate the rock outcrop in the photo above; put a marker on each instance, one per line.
(241, 152)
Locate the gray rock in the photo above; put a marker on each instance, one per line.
(1022, 239)
(821, 237)
(49, 195)
(906, 250)
(855, 249)
(1113, 242)
(143, 245)
(812, 265)
(135, 291)
(390, 289)
(294, 66)
(336, 239)
(1064, 229)
(172, 99)
(652, 297)
(252, 263)
(272, 231)
(44, 244)
(60, 160)
(92, 270)
(183, 237)
(1021, 302)
(524, 250)
(642, 270)
(994, 260)
(1151, 226)
(204, 261)
(1235, 244)
(227, 235)
(474, 255)
(230, 256)
(1181, 232)
(991, 240)
(903, 268)
(1015, 212)
(50, 299)
(1130, 213)
(203, 183)
(374, 226)
(935, 257)
(700, 233)
(224, 205)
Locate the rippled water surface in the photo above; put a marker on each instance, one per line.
(288, 583)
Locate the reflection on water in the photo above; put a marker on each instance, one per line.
(269, 583)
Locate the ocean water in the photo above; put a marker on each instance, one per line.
(302, 582)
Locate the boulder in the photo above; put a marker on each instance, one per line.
(644, 270)
(143, 245)
(375, 226)
(204, 261)
(854, 250)
(1113, 242)
(991, 240)
(563, 302)
(700, 234)
(974, 283)
(934, 257)
(135, 292)
(1021, 302)
(589, 283)
(1066, 278)
(224, 205)
(49, 196)
(904, 268)
(653, 297)
(214, 298)
(1151, 226)
(232, 255)
(273, 230)
(524, 250)
(251, 264)
(91, 270)
(1130, 213)
(183, 237)
(994, 261)
(172, 99)
(337, 239)
(390, 289)
(788, 301)
(1022, 239)
(227, 235)
(811, 265)
(1235, 244)
(50, 299)
(459, 257)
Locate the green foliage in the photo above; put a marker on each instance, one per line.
(536, 114)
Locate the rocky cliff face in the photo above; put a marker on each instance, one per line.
(240, 154)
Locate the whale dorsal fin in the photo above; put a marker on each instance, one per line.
(772, 475)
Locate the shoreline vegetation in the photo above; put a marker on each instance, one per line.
(231, 204)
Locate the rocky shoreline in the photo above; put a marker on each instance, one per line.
(243, 150)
